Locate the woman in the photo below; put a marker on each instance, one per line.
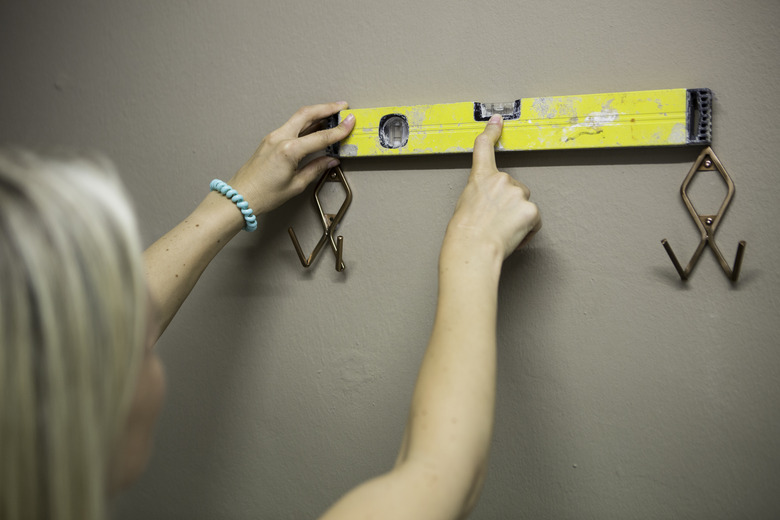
(81, 385)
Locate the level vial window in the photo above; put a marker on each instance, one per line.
(507, 110)
(393, 131)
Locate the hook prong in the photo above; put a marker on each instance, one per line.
(339, 253)
(673, 257)
(297, 246)
(306, 262)
(738, 260)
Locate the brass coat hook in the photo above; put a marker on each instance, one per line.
(707, 224)
(329, 221)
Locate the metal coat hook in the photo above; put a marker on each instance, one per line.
(329, 221)
(707, 224)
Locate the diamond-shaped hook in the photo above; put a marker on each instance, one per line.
(707, 224)
(329, 221)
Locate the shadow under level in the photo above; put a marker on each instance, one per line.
(541, 158)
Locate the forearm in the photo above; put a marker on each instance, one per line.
(269, 178)
(441, 465)
(175, 262)
(451, 419)
(440, 469)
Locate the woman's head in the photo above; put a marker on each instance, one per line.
(73, 318)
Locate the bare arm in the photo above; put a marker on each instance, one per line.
(175, 262)
(441, 466)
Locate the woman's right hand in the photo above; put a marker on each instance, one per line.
(493, 209)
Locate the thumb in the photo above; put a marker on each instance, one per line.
(485, 143)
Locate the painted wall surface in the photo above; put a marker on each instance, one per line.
(622, 392)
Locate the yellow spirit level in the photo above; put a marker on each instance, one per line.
(672, 117)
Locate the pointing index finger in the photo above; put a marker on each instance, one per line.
(484, 145)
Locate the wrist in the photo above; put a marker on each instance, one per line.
(250, 220)
(469, 254)
(469, 273)
(218, 215)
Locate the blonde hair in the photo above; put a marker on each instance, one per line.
(72, 327)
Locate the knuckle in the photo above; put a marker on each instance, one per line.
(336, 133)
(273, 138)
(324, 135)
(288, 150)
(531, 211)
(526, 191)
(305, 110)
(327, 137)
(505, 181)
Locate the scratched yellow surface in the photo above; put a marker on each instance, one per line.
(642, 118)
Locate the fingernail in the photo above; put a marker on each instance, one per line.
(495, 119)
(333, 163)
(349, 119)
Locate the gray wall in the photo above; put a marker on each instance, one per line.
(622, 392)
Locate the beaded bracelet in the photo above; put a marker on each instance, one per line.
(230, 193)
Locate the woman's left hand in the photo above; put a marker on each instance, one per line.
(272, 175)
